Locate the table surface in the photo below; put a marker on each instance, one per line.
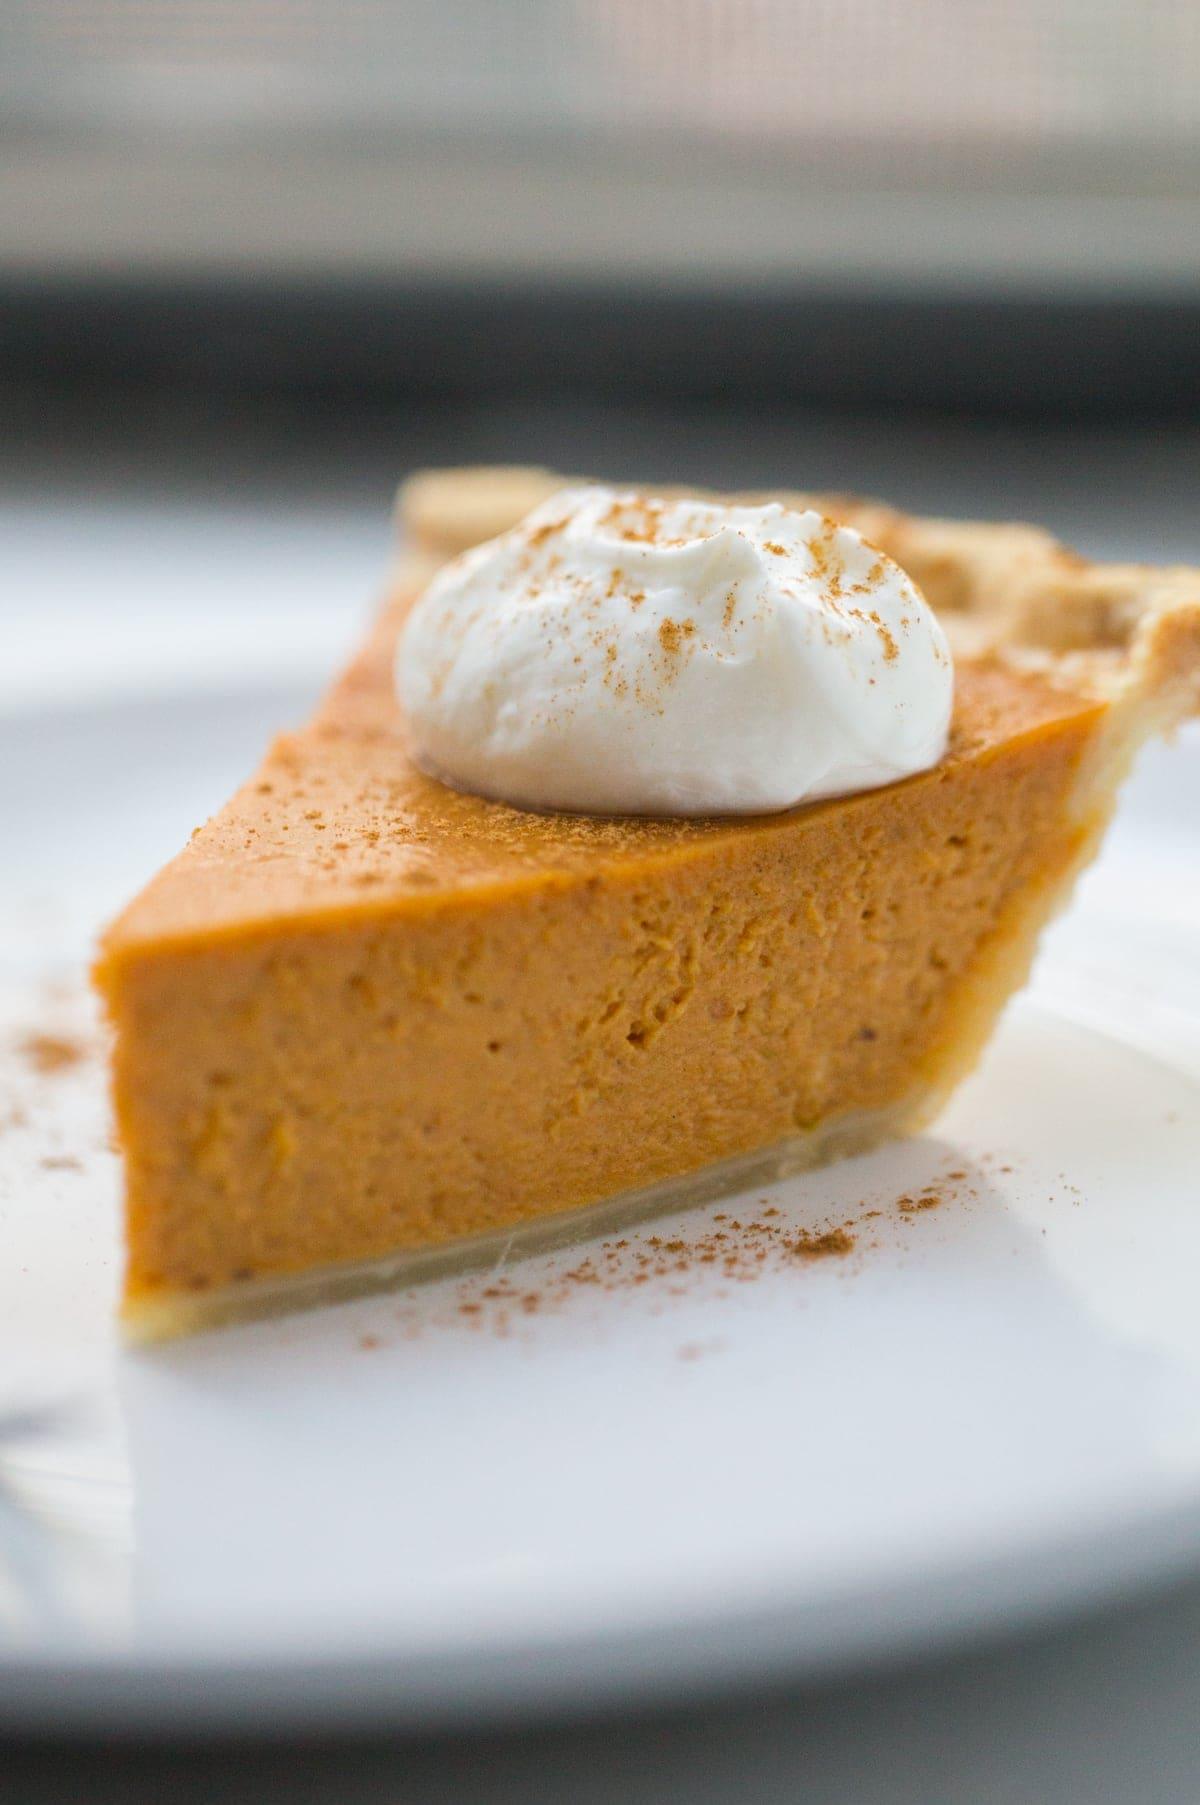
(159, 543)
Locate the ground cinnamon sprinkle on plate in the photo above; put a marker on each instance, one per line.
(719, 1251)
(50, 1053)
(834, 1243)
(928, 1200)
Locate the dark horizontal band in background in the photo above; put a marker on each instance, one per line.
(1036, 357)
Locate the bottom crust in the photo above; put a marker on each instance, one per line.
(149, 1319)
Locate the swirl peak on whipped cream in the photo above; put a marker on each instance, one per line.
(619, 654)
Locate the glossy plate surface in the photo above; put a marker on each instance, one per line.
(612, 1472)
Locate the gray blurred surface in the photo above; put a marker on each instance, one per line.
(1044, 140)
(136, 453)
(1102, 1714)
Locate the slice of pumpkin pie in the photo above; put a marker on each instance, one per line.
(369, 1018)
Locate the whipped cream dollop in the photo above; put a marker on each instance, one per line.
(617, 654)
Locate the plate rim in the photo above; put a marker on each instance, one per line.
(549, 1678)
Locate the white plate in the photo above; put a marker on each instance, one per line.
(402, 1510)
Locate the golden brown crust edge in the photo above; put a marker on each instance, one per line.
(1129, 632)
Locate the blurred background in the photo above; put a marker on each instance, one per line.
(962, 203)
(259, 258)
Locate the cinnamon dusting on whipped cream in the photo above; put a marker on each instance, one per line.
(616, 653)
